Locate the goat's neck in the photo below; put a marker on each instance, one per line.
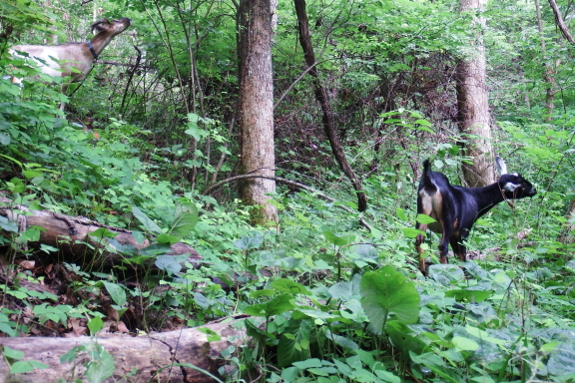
(487, 197)
(100, 41)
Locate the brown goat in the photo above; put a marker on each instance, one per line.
(73, 60)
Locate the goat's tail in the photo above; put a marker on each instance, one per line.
(426, 180)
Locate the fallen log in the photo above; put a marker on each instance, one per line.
(147, 355)
(80, 240)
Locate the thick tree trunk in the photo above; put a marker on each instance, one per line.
(473, 108)
(323, 98)
(146, 355)
(256, 107)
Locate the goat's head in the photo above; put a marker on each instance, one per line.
(114, 27)
(513, 186)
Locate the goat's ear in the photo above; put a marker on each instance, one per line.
(501, 167)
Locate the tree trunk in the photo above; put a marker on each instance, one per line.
(548, 70)
(146, 355)
(256, 118)
(560, 23)
(473, 108)
(323, 98)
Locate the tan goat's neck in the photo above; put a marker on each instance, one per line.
(100, 41)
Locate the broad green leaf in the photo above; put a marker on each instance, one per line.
(401, 214)
(464, 344)
(117, 292)
(411, 232)
(94, 325)
(400, 337)
(169, 264)
(102, 369)
(103, 233)
(424, 219)
(285, 285)
(473, 296)
(21, 366)
(336, 240)
(294, 348)
(11, 353)
(385, 294)
(310, 363)
(185, 218)
(483, 335)
(212, 335)
(276, 306)
(148, 224)
(251, 241)
(341, 340)
(168, 239)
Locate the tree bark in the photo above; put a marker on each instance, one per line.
(73, 238)
(256, 108)
(473, 108)
(560, 23)
(323, 98)
(145, 354)
(548, 70)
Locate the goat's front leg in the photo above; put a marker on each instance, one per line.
(64, 90)
(458, 248)
(444, 243)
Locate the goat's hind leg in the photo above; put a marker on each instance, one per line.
(418, 241)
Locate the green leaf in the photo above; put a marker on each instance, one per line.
(386, 293)
(103, 233)
(11, 353)
(424, 219)
(473, 296)
(102, 369)
(310, 363)
(401, 214)
(336, 240)
(250, 241)
(400, 337)
(185, 218)
(411, 232)
(169, 263)
(117, 292)
(7, 329)
(278, 305)
(168, 239)
(295, 348)
(20, 367)
(284, 285)
(94, 325)
(341, 340)
(148, 224)
(483, 335)
(464, 344)
(212, 335)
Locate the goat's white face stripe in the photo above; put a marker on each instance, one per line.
(510, 186)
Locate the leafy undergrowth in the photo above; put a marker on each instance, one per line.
(340, 303)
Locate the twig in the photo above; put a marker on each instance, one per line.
(131, 71)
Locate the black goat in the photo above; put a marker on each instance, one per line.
(456, 208)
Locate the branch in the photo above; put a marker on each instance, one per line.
(560, 22)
